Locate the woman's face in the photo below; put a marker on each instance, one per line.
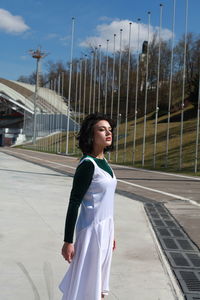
(102, 134)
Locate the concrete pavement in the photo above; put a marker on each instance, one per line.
(33, 205)
(179, 193)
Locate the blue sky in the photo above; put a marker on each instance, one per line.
(26, 24)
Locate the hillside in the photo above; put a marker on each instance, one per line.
(53, 143)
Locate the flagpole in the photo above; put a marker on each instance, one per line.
(136, 93)
(99, 86)
(113, 77)
(91, 74)
(157, 91)
(70, 82)
(146, 93)
(106, 79)
(80, 92)
(197, 134)
(75, 108)
(119, 94)
(183, 87)
(127, 92)
(84, 91)
(170, 83)
(95, 78)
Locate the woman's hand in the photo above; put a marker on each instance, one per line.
(114, 245)
(68, 251)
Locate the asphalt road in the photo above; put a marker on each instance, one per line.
(179, 193)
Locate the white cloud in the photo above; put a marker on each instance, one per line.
(64, 40)
(24, 57)
(107, 31)
(52, 36)
(10, 23)
(107, 19)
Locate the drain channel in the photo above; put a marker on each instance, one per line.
(182, 254)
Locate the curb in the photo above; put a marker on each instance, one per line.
(174, 285)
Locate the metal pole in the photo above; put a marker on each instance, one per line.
(197, 136)
(157, 90)
(136, 93)
(95, 77)
(106, 80)
(63, 84)
(91, 74)
(146, 94)
(170, 83)
(119, 92)
(51, 117)
(80, 92)
(99, 87)
(62, 91)
(55, 116)
(38, 54)
(183, 86)
(84, 91)
(50, 122)
(70, 83)
(60, 109)
(75, 110)
(35, 102)
(113, 78)
(127, 93)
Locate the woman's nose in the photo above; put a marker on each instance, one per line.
(108, 132)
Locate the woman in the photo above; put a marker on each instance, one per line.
(93, 187)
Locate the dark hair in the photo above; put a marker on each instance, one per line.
(85, 135)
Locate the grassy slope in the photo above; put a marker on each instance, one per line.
(189, 140)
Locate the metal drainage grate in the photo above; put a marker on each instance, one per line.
(159, 218)
(182, 253)
(178, 244)
(170, 232)
(184, 259)
(165, 223)
(192, 297)
(165, 216)
(189, 280)
(158, 208)
(154, 214)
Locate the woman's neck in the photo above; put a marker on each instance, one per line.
(97, 154)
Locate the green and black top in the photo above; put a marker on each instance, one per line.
(82, 179)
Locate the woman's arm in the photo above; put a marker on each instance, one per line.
(81, 183)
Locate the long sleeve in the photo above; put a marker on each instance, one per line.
(82, 179)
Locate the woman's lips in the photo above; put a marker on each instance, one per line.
(108, 139)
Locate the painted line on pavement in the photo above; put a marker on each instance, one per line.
(160, 192)
(123, 181)
(37, 158)
(156, 172)
(131, 168)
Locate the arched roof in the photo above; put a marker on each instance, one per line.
(23, 94)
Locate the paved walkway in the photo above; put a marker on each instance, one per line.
(32, 213)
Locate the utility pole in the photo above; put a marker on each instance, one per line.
(38, 55)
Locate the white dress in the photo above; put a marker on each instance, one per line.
(88, 274)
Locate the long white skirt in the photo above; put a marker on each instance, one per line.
(88, 274)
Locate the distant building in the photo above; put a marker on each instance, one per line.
(17, 110)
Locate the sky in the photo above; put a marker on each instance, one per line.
(29, 24)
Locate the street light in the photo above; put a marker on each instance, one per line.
(38, 55)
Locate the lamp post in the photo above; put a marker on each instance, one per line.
(38, 55)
